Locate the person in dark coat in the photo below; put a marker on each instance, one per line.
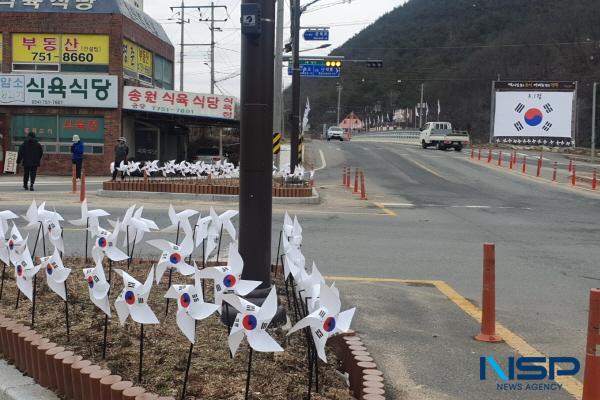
(77, 149)
(30, 155)
(121, 152)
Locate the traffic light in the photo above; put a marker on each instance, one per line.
(375, 64)
(333, 63)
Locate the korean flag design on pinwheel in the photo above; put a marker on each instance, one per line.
(98, 286)
(228, 278)
(24, 273)
(326, 321)
(106, 243)
(54, 231)
(133, 299)
(15, 245)
(56, 273)
(252, 321)
(89, 218)
(190, 307)
(173, 256)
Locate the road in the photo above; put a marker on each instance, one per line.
(427, 217)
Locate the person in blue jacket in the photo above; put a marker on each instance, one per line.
(77, 155)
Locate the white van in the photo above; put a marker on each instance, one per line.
(440, 134)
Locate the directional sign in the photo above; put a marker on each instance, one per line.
(317, 71)
(320, 34)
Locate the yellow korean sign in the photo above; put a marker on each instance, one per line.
(1, 39)
(36, 48)
(137, 59)
(85, 49)
(60, 49)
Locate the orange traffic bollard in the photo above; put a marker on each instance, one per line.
(594, 180)
(554, 172)
(500, 158)
(82, 192)
(488, 311)
(489, 155)
(472, 153)
(591, 383)
(344, 176)
(539, 167)
(74, 180)
(570, 165)
(479, 154)
(524, 169)
(356, 181)
(573, 176)
(363, 192)
(348, 173)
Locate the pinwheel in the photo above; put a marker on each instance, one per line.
(326, 321)
(224, 221)
(309, 287)
(56, 278)
(5, 216)
(178, 220)
(228, 278)
(106, 243)
(89, 219)
(294, 259)
(190, 306)
(54, 231)
(173, 256)
(25, 273)
(133, 301)
(15, 244)
(98, 286)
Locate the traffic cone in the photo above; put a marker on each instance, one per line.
(591, 383)
(488, 309)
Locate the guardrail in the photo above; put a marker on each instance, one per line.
(404, 136)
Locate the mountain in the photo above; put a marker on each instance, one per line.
(456, 49)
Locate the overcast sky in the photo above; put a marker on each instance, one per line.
(346, 18)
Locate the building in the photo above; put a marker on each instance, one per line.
(100, 69)
(352, 123)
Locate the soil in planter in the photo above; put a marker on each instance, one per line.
(213, 375)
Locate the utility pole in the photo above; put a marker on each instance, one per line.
(295, 116)
(339, 90)
(593, 152)
(256, 99)
(421, 107)
(278, 93)
(182, 21)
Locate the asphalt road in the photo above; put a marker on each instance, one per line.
(427, 217)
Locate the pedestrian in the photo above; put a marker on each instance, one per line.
(77, 149)
(30, 154)
(121, 153)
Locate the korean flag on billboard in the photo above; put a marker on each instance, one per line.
(533, 114)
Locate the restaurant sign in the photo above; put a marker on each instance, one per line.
(59, 90)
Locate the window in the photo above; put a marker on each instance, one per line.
(163, 73)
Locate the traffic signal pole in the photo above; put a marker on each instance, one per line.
(256, 97)
(295, 114)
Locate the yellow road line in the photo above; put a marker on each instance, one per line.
(571, 385)
(387, 211)
(426, 168)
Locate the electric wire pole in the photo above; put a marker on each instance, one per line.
(295, 115)
(278, 93)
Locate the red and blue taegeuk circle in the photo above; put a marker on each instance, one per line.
(130, 297)
(49, 269)
(229, 281)
(11, 245)
(102, 243)
(249, 322)
(175, 258)
(90, 281)
(329, 324)
(533, 117)
(185, 300)
(19, 270)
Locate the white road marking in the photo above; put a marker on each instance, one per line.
(323, 162)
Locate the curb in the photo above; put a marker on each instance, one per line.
(34, 373)
(314, 199)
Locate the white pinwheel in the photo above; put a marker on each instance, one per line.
(288, 225)
(89, 218)
(139, 226)
(15, 245)
(190, 307)
(309, 286)
(201, 230)
(5, 216)
(98, 286)
(294, 260)
(53, 230)
(173, 256)
(25, 271)
(326, 321)
(228, 278)
(252, 321)
(106, 243)
(133, 300)
(56, 273)
(180, 220)
(223, 221)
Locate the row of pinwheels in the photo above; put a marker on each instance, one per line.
(219, 169)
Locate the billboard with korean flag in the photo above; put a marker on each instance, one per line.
(534, 113)
(180, 103)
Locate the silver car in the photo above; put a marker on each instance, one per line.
(335, 132)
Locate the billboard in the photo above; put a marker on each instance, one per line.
(50, 48)
(535, 113)
(59, 90)
(181, 103)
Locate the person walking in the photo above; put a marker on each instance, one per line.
(121, 153)
(77, 149)
(30, 155)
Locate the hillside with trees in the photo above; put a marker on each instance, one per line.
(456, 49)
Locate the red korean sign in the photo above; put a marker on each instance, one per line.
(179, 103)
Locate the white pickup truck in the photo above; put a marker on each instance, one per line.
(441, 135)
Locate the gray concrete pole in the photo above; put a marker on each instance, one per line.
(593, 152)
(421, 106)
(278, 92)
(182, 46)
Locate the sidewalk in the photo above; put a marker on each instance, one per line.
(15, 386)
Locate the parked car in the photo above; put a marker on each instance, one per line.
(441, 135)
(335, 132)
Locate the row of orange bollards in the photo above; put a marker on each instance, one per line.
(591, 383)
(359, 176)
(74, 183)
(513, 162)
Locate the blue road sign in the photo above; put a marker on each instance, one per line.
(320, 34)
(317, 71)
